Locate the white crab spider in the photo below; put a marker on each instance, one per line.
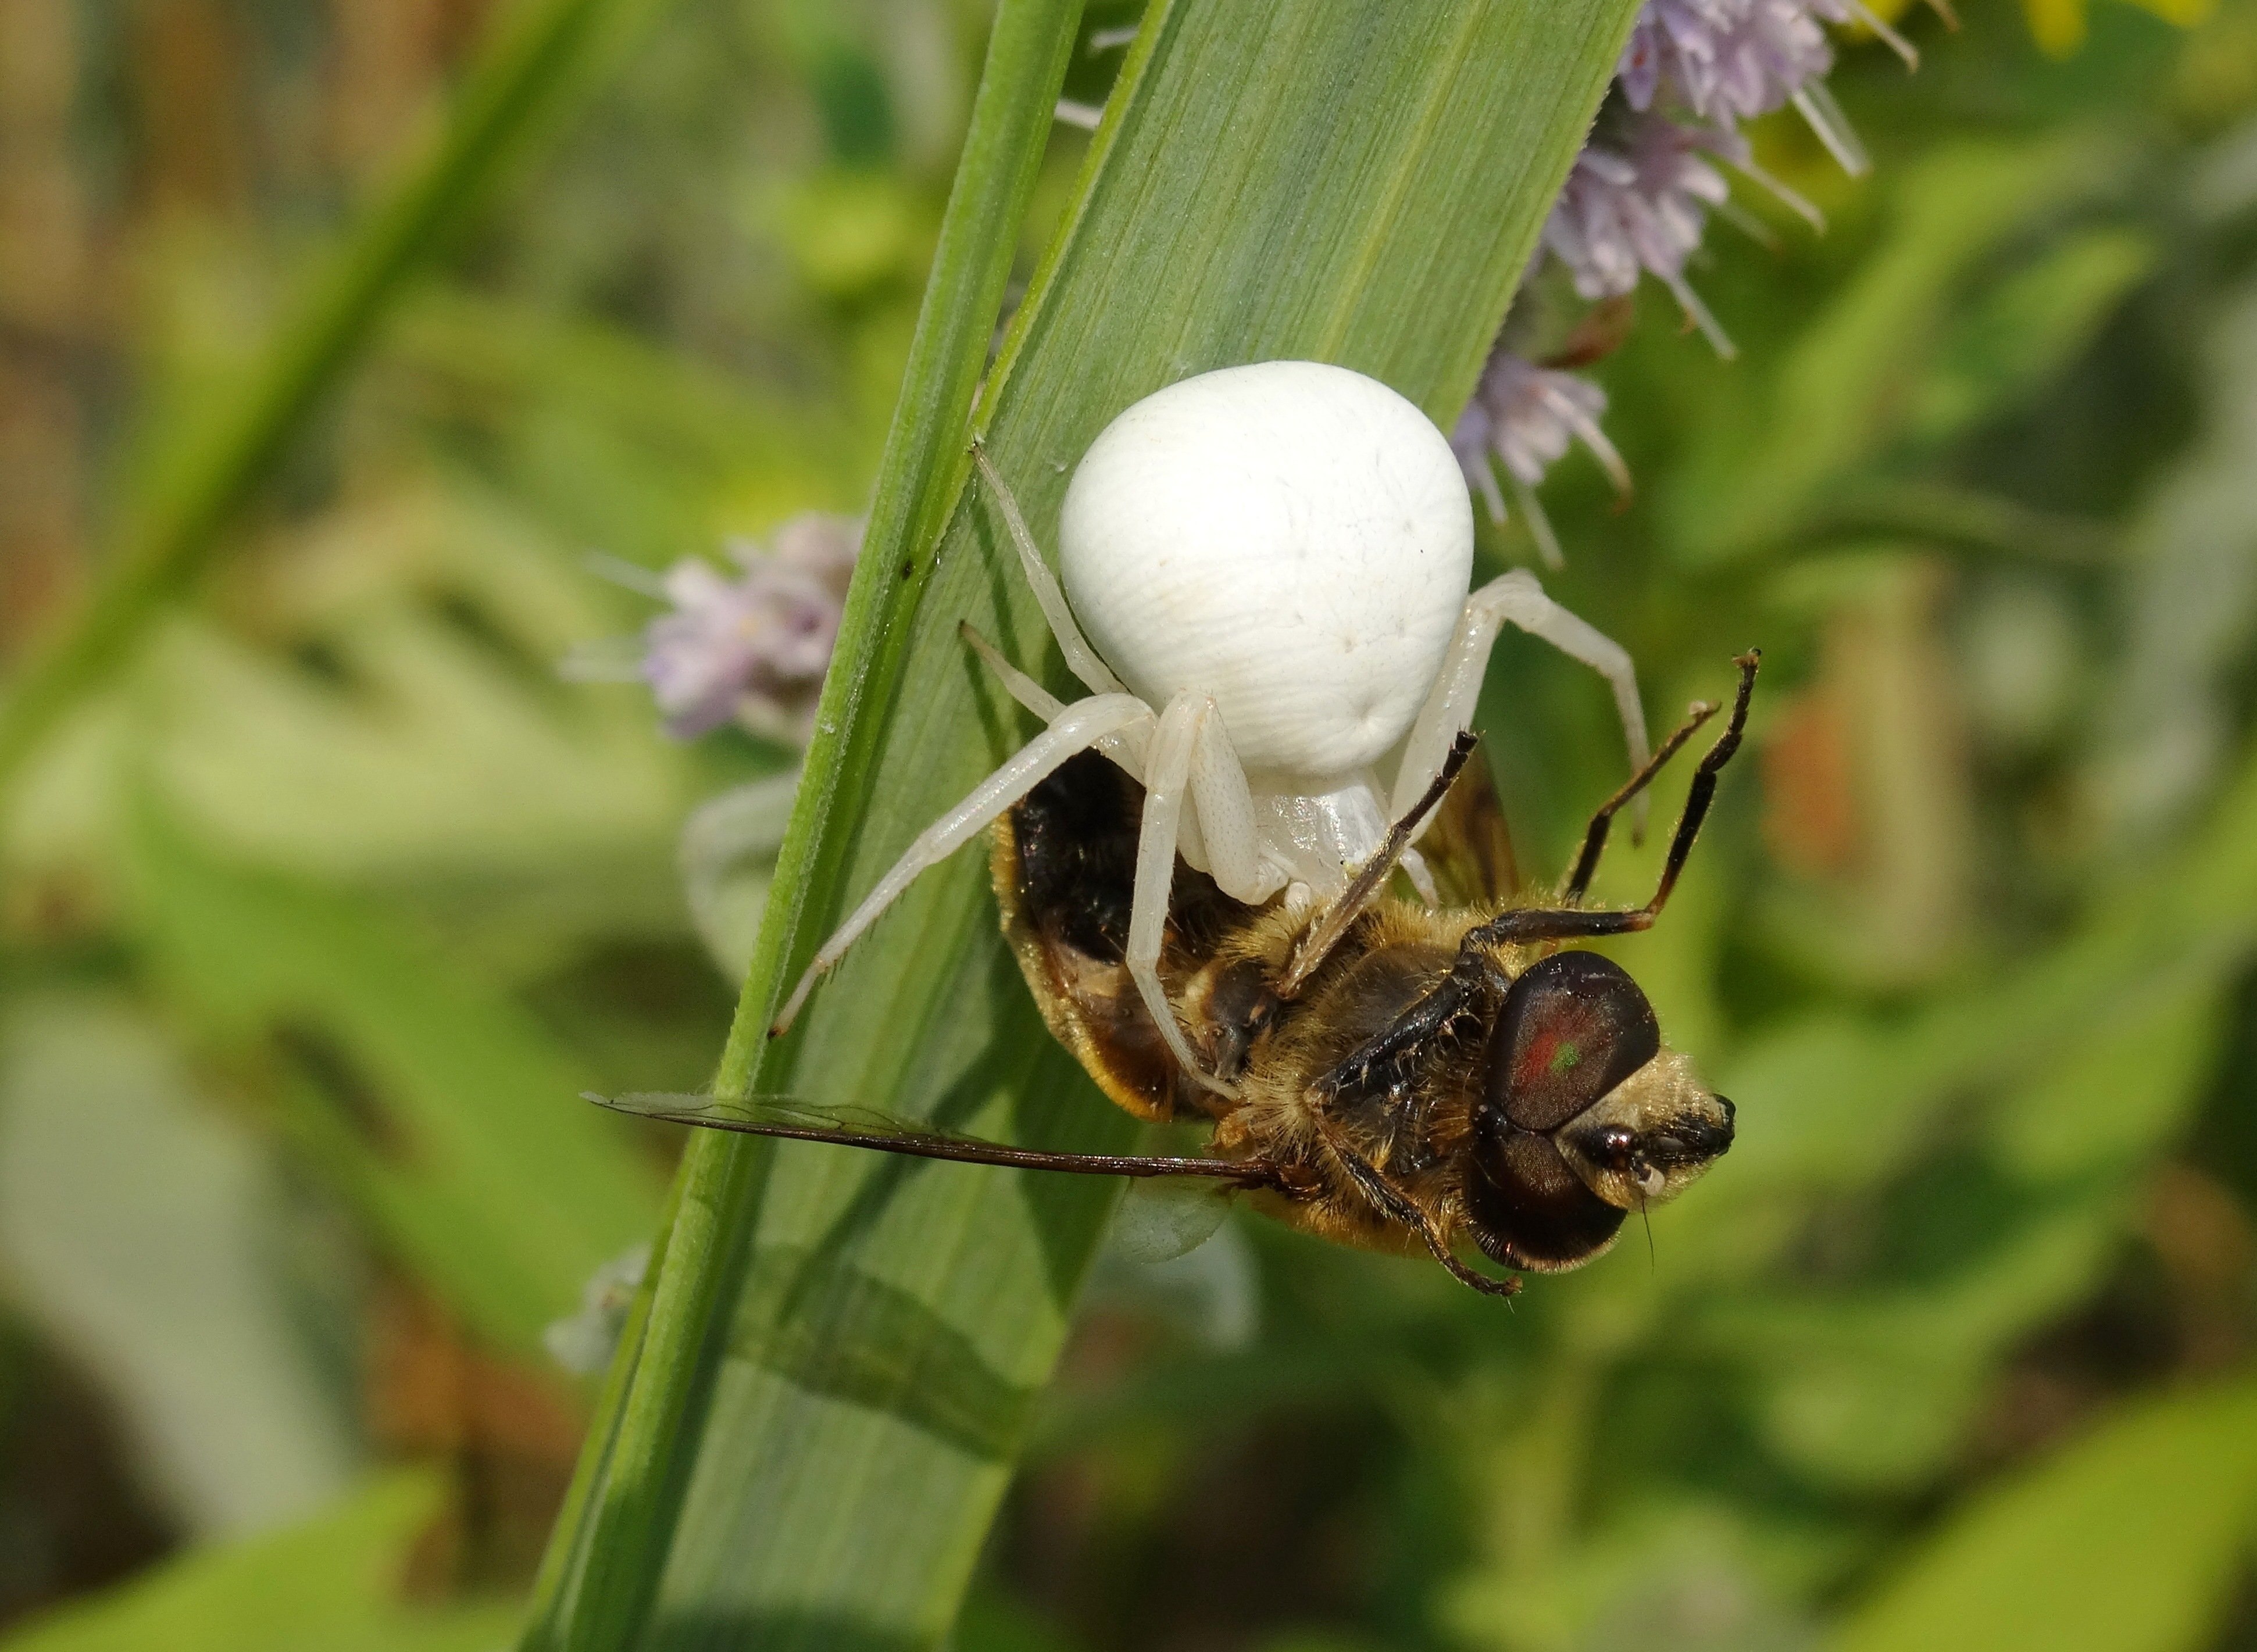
(1277, 560)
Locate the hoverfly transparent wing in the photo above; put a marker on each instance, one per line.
(1467, 846)
(1163, 1219)
(852, 1126)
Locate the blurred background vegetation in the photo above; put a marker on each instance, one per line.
(315, 918)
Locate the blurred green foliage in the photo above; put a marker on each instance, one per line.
(315, 919)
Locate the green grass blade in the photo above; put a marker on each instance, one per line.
(602, 1569)
(545, 49)
(839, 1353)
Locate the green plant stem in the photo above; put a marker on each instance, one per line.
(545, 49)
(602, 1602)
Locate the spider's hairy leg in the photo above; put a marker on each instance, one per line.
(1076, 728)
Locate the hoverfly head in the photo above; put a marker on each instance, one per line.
(1583, 1115)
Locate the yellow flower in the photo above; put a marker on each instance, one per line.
(2058, 26)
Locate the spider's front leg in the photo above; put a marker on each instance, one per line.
(1076, 728)
(1190, 756)
(1511, 599)
(1126, 748)
(1081, 658)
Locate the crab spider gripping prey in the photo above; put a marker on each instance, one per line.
(1273, 562)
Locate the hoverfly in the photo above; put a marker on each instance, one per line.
(1406, 1077)
(1191, 874)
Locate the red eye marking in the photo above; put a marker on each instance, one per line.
(1572, 1027)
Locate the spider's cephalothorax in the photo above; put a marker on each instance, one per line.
(1271, 563)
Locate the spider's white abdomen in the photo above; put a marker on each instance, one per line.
(1293, 538)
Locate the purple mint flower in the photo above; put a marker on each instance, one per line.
(1524, 417)
(752, 647)
(1725, 62)
(1637, 201)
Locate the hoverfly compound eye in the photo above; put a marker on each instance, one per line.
(1529, 1205)
(1573, 1027)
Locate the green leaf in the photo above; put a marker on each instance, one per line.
(1355, 182)
(1874, 1385)
(2097, 1049)
(137, 1226)
(1841, 1100)
(217, 457)
(1874, 1388)
(1845, 389)
(439, 1105)
(445, 754)
(332, 1582)
(619, 442)
(2119, 1092)
(2029, 328)
(2131, 1540)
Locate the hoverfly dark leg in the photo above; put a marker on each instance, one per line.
(1532, 923)
(1475, 981)
(1388, 1197)
(1323, 935)
(1473, 985)
(1594, 835)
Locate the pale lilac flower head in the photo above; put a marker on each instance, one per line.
(1526, 416)
(751, 646)
(1637, 202)
(1723, 60)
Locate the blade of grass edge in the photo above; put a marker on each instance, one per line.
(597, 1577)
(544, 49)
(1358, 182)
